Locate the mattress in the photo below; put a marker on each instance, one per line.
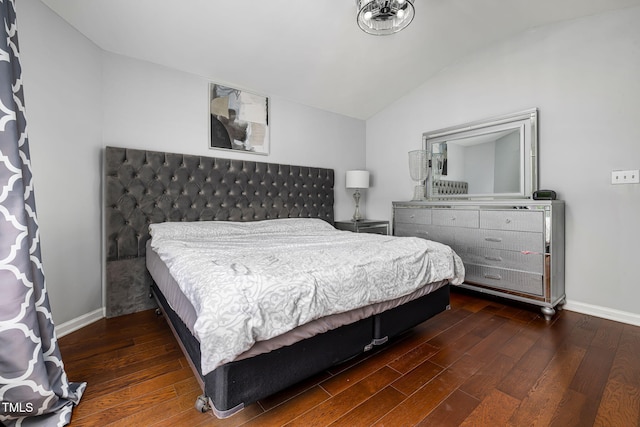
(183, 308)
(251, 282)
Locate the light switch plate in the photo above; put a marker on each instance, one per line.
(625, 177)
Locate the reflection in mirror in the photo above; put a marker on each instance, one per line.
(494, 158)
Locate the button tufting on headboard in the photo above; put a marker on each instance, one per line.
(143, 187)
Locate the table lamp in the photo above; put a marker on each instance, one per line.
(358, 180)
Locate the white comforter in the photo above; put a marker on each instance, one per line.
(251, 281)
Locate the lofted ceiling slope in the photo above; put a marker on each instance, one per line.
(311, 52)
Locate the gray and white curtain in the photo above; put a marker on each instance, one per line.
(34, 389)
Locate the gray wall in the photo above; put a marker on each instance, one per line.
(583, 77)
(63, 101)
(79, 99)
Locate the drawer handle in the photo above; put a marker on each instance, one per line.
(493, 258)
(412, 216)
(508, 221)
(453, 218)
(493, 276)
(493, 239)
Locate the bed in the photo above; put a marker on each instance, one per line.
(158, 193)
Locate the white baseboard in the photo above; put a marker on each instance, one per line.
(604, 312)
(79, 322)
(579, 307)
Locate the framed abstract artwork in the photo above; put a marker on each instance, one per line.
(239, 120)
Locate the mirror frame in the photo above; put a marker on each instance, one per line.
(526, 120)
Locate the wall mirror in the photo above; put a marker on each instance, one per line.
(487, 159)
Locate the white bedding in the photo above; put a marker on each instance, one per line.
(251, 281)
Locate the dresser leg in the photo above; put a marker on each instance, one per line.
(548, 313)
(561, 304)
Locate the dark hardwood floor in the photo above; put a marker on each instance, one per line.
(484, 362)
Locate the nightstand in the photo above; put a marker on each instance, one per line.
(364, 226)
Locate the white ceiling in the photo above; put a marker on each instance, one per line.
(310, 51)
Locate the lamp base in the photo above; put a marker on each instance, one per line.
(356, 214)
(418, 193)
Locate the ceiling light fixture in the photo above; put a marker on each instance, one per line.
(382, 17)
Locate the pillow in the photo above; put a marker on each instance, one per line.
(208, 229)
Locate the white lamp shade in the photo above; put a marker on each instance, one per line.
(357, 179)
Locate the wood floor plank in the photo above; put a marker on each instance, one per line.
(337, 406)
(187, 385)
(417, 377)
(519, 313)
(538, 407)
(128, 408)
(584, 331)
(519, 344)
(283, 414)
(413, 358)
(494, 410)
(115, 398)
(456, 349)
(452, 411)
(574, 410)
(486, 349)
(554, 335)
(371, 410)
(467, 301)
(463, 337)
(608, 335)
(526, 372)
(620, 405)
(624, 370)
(593, 373)
(459, 330)
(156, 413)
(488, 377)
(441, 322)
(136, 371)
(418, 406)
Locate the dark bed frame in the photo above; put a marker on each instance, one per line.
(143, 187)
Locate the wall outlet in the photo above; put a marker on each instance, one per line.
(625, 177)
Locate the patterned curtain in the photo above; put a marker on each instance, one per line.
(34, 389)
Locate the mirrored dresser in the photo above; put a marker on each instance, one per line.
(510, 248)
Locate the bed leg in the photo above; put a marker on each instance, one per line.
(202, 403)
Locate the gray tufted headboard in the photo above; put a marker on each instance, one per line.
(143, 187)
(450, 187)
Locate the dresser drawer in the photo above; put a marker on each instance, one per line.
(513, 219)
(455, 218)
(404, 229)
(437, 234)
(498, 239)
(412, 216)
(529, 262)
(445, 235)
(512, 280)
